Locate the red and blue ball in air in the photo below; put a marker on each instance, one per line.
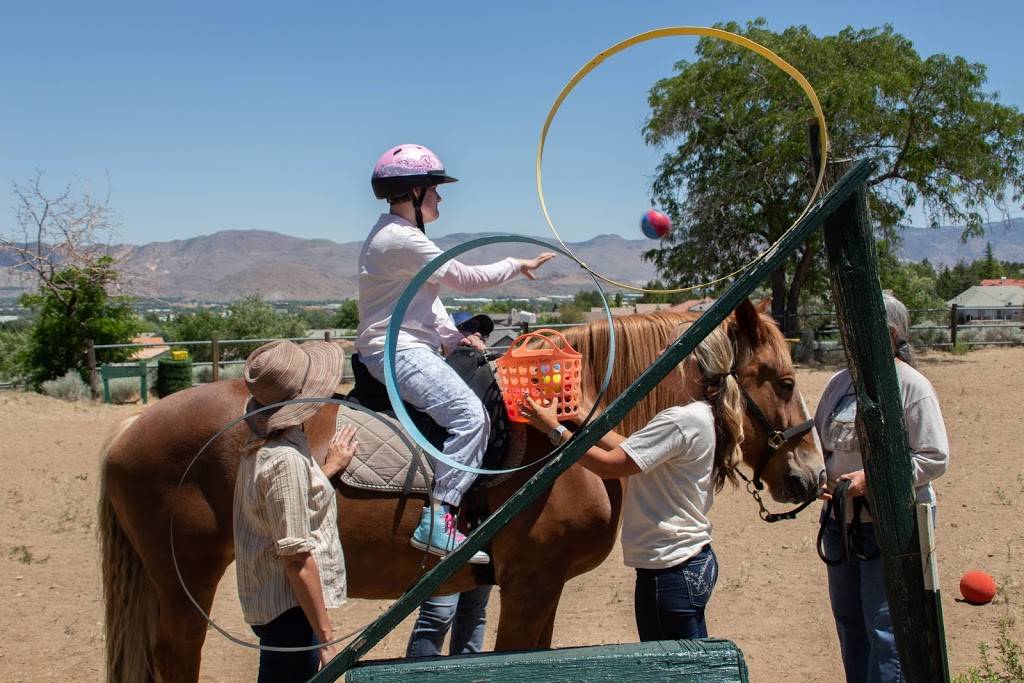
(655, 224)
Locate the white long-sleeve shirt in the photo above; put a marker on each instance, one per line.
(391, 256)
(926, 431)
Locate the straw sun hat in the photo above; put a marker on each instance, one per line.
(281, 371)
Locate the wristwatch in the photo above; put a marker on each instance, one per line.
(556, 434)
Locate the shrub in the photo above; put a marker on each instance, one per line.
(125, 389)
(1009, 661)
(70, 387)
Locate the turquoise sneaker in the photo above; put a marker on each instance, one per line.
(438, 536)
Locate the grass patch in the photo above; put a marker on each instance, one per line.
(1007, 667)
(21, 553)
(960, 348)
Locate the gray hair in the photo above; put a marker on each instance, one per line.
(898, 319)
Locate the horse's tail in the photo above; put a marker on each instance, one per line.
(130, 600)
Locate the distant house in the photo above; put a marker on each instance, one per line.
(597, 312)
(154, 346)
(1002, 281)
(693, 305)
(990, 302)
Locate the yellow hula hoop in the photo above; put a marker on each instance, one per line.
(667, 32)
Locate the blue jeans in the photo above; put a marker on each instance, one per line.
(856, 590)
(670, 602)
(426, 381)
(289, 629)
(464, 613)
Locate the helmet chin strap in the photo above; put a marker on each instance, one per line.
(417, 201)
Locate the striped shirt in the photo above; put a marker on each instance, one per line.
(284, 505)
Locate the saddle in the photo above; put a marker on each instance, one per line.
(387, 460)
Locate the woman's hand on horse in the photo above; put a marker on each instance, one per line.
(858, 483)
(341, 450)
(527, 266)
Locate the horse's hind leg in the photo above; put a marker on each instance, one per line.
(181, 629)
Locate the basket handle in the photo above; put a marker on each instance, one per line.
(540, 334)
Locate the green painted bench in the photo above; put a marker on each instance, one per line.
(680, 661)
(109, 372)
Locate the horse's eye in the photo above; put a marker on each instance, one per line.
(787, 384)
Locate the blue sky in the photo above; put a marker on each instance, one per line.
(269, 115)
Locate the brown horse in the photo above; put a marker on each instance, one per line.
(154, 633)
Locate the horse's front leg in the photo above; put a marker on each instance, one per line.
(528, 614)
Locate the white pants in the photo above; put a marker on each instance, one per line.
(426, 381)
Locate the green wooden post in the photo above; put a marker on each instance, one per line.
(589, 435)
(853, 267)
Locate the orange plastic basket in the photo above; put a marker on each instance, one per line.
(543, 373)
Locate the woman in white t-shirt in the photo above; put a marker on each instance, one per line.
(675, 465)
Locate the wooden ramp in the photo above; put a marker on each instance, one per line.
(679, 661)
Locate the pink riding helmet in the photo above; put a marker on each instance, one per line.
(404, 167)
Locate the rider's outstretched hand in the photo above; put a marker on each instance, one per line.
(527, 266)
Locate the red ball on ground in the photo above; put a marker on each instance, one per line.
(978, 588)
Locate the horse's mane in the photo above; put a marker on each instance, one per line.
(639, 339)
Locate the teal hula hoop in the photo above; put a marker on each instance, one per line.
(395, 326)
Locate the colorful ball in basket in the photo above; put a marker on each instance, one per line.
(545, 372)
(978, 588)
(655, 224)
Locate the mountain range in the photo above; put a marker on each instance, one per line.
(233, 263)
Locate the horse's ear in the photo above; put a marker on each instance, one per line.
(764, 305)
(748, 321)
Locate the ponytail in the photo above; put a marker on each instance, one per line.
(715, 358)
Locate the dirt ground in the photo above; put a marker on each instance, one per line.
(771, 597)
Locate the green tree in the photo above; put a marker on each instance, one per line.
(912, 283)
(989, 267)
(59, 242)
(347, 317)
(76, 309)
(14, 343)
(316, 318)
(247, 318)
(587, 299)
(952, 281)
(202, 325)
(735, 176)
(570, 314)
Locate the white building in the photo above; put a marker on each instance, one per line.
(999, 302)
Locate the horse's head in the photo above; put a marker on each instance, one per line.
(791, 471)
(778, 443)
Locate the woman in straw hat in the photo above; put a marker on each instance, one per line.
(288, 555)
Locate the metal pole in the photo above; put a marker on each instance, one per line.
(215, 357)
(94, 378)
(954, 319)
(853, 270)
